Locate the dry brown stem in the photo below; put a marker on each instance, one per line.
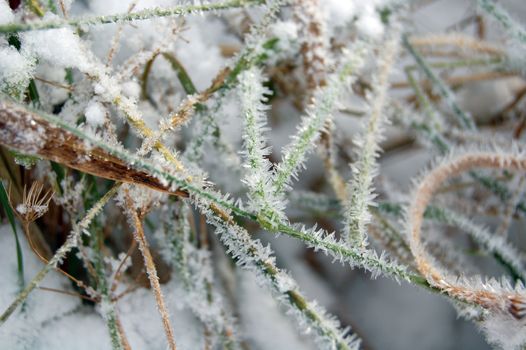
(124, 339)
(501, 300)
(63, 8)
(459, 79)
(117, 37)
(457, 40)
(150, 269)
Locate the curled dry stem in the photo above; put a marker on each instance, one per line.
(496, 299)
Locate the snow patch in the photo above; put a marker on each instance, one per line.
(95, 114)
(63, 47)
(15, 68)
(6, 15)
(369, 23)
(338, 12)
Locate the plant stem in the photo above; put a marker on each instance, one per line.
(9, 212)
(150, 270)
(106, 302)
(361, 258)
(176, 11)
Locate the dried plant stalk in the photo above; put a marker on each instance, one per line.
(497, 299)
(458, 40)
(150, 269)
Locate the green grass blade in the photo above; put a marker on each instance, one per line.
(9, 212)
(182, 75)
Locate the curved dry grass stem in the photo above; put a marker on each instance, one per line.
(150, 269)
(495, 299)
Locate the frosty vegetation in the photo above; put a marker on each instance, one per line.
(197, 174)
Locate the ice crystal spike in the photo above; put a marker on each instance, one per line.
(360, 192)
(259, 174)
(321, 109)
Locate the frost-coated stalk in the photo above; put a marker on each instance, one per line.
(367, 259)
(176, 236)
(492, 243)
(252, 255)
(364, 170)
(315, 63)
(110, 315)
(259, 176)
(129, 108)
(176, 11)
(60, 254)
(509, 210)
(324, 103)
(502, 16)
(256, 49)
(151, 271)
(107, 306)
(492, 295)
(360, 258)
(194, 266)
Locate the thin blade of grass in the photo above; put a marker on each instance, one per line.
(10, 216)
